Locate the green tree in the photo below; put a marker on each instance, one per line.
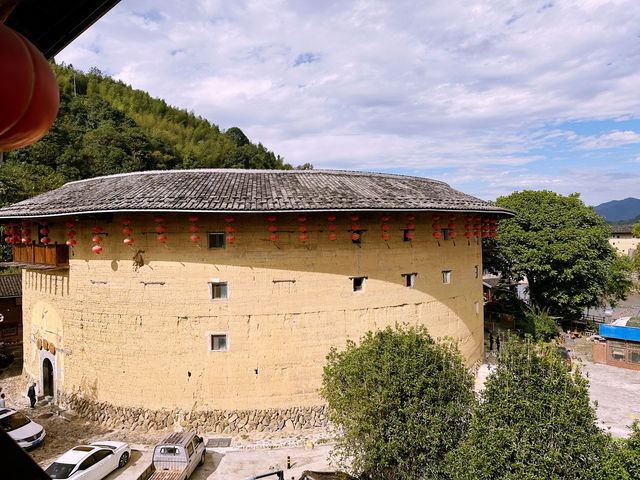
(400, 402)
(562, 248)
(533, 421)
(623, 462)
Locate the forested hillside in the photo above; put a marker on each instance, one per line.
(105, 127)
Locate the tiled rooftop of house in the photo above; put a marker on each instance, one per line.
(618, 229)
(249, 191)
(11, 286)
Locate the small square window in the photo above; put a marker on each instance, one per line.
(215, 240)
(446, 276)
(358, 283)
(445, 233)
(218, 342)
(218, 290)
(409, 279)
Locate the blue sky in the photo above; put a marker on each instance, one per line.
(490, 97)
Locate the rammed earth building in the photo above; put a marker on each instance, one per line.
(223, 290)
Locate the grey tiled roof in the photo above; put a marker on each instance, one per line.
(621, 228)
(248, 191)
(11, 286)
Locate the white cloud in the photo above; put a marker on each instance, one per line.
(477, 86)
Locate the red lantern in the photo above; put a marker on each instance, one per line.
(468, 234)
(127, 230)
(411, 217)
(331, 227)
(271, 218)
(28, 92)
(128, 241)
(194, 238)
(332, 236)
(384, 227)
(161, 238)
(229, 219)
(96, 239)
(25, 232)
(486, 220)
(96, 249)
(476, 234)
(71, 233)
(468, 218)
(71, 243)
(231, 238)
(355, 226)
(44, 223)
(229, 229)
(451, 226)
(96, 229)
(385, 236)
(302, 218)
(436, 226)
(331, 218)
(477, 226)
(437, 234)
(194, 228)
(25, 223)
(193, 218)
(8, 239)
(273, 237)
(45, 240)
(468, 226)
(125, 221)
(272, 228)
(355, 236)
(485, 234)
(452, 234)
(302, 228)
(451, 218)
(303, 237)
(158, 219)
(477, 219)
(161, 228)
(493, 234)
(435, 217)
(44, 231)
(410, 235)
(384, 218)
(70, 224)
(354, 218)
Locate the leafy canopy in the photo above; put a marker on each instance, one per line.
(533, 421)
(561, 247)
(400, 402)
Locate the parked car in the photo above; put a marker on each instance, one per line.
(25, 432)
(90, 462)
(177, 456)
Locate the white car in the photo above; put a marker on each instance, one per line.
(26, 433)
(90, 462)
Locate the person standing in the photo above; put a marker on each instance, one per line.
(32, 394)
(2, 402)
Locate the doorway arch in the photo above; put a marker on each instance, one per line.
(47, 378)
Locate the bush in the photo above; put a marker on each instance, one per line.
(400, 402)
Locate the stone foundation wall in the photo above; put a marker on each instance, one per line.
(219, 421)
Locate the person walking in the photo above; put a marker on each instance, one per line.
(32, 394)
(2, 402)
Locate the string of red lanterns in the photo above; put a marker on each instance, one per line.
(354, 227)
(332, 235)
(194, 228)
(302, 228)
(436, 226)
(97, 239)
(71, 233)
(273, 228)
(160, 229)
(127, 231)
(384, 227)
(230, 229)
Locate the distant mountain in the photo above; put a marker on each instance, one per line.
(618, 210)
